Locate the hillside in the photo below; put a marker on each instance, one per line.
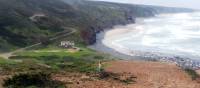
(25, 22)
(35, 50)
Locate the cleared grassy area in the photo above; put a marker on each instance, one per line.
(58, 59)
(52, 57)
(6, 62)
(56, 52)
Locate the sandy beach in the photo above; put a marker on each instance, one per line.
(111, 48)
(145, 40)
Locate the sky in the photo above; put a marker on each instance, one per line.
(195, 4)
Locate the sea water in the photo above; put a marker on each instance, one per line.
(165, 34)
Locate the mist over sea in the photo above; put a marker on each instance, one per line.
(165, 34)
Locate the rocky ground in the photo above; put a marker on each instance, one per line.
(129, 74)
(142, 74)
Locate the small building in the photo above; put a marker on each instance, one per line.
(67, 44)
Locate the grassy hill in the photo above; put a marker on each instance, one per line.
(24, 22)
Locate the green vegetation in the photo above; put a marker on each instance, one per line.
(46, 61)
(5, 64)
(60, 59)
(192, 73)
(10, 67)
(32, 80)
(53, 58)
(5, 61)
(55, 52)
(22, 25)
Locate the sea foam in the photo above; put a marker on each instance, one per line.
(169, 34)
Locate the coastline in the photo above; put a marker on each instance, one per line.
(183, 62)
(99, 46)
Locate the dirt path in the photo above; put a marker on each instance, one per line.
(64, 33)
(36, 15)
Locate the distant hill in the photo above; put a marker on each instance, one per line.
(24, 22)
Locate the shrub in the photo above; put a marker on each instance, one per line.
(192, 73)
(99, 57)
(123, 78)
(32, 80)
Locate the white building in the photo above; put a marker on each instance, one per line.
(67, 44)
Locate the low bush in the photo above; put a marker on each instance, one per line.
(123, 78)
(192, 73)
(32, 80)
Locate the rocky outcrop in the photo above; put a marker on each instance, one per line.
(126, 15)
(89, 35)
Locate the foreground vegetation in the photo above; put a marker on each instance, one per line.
(47, 60)
(194, 75)
(32, 80)
(81, 61)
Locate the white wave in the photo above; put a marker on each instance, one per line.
(177, 34)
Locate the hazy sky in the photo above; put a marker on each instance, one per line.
(172, 3)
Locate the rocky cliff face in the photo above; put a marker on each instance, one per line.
(109, 14)
(89, 34)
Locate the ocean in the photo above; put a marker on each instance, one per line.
(165, 35)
